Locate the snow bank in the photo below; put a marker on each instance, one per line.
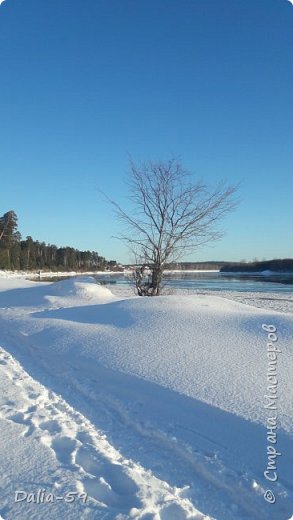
(175, 385)
(65, 293)
(77, 291)
(50, 274)
(166, 340)
(13, 274)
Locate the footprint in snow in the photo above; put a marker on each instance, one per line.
(10, 403)
(19, 418)
(106, 482)
(51, 426)
(64, 448)
(33, 395)
(101, 490)
(173, 512)
(85, 438)
(32, 409)
(120, 482)
(87, 458)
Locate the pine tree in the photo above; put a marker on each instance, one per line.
(9, 241)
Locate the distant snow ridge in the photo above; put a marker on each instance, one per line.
(74, 291)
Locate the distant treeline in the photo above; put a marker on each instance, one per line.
(276, 266)
(187, 266)
(30, 254)
(190, 266)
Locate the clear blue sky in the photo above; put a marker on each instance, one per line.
(84, 83)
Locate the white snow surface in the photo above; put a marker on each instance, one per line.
(152, 408)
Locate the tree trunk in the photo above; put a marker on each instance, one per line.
(157, 274)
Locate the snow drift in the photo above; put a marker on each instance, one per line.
(174, 384)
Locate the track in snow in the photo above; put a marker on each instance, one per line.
(118, 486)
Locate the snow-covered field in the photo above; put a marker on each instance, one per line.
(277, 301)
(117, 407)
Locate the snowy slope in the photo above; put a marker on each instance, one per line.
(55, 449)
(154, 407)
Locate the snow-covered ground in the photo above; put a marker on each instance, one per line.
(277, 301)
(118, 407)
(49, 274)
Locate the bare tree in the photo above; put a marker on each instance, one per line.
(171, 217)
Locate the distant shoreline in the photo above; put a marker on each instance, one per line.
(67, 274)
(256, 273)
